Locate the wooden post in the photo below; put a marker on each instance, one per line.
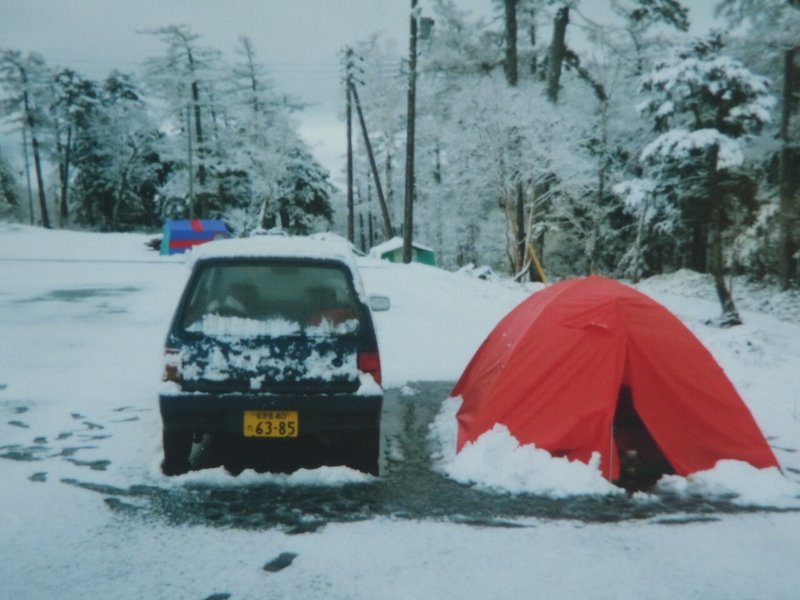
(350, 208)
(408, 212)
(387, 222)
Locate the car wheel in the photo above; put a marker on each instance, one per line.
(362, 452)
(177, 447)
(234, 454)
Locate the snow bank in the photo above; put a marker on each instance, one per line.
(436, 321)
(83, 354)
(497, 462)
(35, 243)
(739, 482)
(319, 477)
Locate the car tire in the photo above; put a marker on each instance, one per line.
(362, 452)
(177, 448)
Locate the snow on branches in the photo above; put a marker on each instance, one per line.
(682, 145)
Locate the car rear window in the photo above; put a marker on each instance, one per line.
(273, 299)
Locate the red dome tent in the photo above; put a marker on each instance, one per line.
(552, 370)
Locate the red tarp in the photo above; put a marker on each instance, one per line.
(551, 372)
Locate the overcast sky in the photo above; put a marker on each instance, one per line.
(298, 40)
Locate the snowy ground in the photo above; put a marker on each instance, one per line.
(83, 317)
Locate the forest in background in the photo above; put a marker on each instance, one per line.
(629, 149)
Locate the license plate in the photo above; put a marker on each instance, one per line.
(271, 423)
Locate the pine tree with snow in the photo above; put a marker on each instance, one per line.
(302, 200)
(770, 41)
(704, 104)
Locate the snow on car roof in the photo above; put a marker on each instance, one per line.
(278, 246)
(271, 246)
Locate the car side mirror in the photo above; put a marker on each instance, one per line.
(379, 303)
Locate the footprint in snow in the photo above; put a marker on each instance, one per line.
(279, 563)
(94, 465)
(128, 420)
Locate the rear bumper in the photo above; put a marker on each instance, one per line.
(201, 413)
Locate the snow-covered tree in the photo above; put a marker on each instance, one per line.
(118, 167)
(704, 104)
(258, 136)
(25, 84)
(184, 77)
(9, 196)
(302, 199)
(771, 44)
(74, 100)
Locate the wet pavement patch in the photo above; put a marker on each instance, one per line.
(98, 300)
(685, 520)
(410, 488)
(82, 294)
(118, 505)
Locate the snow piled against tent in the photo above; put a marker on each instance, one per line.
(527, 469)
(738, 482)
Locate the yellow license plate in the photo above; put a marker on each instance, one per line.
(271, 423)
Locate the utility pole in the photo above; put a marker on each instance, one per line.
(27, 173)
(387, 222)
(511, 42)
(189, 159)
(788, 211)
(349, 87)
(408, 212)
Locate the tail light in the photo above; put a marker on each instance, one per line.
(370, 362)
(172, 365)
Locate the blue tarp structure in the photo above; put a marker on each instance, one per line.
(179, 235)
